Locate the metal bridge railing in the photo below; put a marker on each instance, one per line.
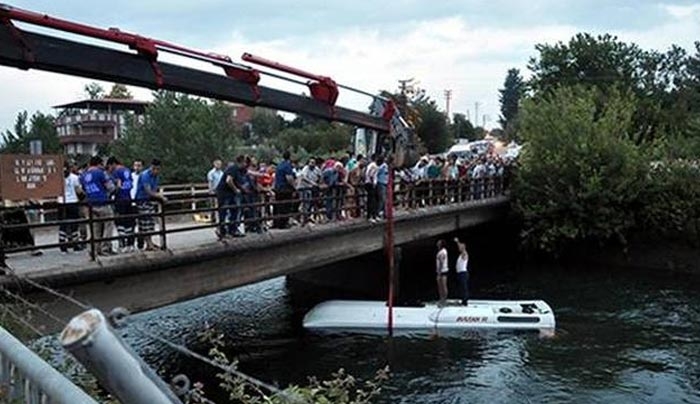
(26, 378)
(254, 212)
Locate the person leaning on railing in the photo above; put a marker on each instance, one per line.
(126, 224)
(68, 233)
(146, 193)
(382, 183)
(370, 183)
(420, 181)
(355, 192)
(251, 211)
(213, 177)
(264, 189)
(98, 186)
(308, 189)
(284, 192)
(329, 186)
(341, 188)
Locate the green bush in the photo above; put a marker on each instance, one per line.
(580, 175)
(669, 206)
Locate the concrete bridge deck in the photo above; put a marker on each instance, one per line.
(196, 264)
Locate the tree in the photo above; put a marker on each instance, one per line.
(462, 128)
(512, 92)
(691, 82)
(12, 142)
(580, 176)
(119, 91)
(43, 129)
(432, 129)
(319, 139)
(94, 91)
(39, 127)
(185, 132)
(658, 80)
(265, 124)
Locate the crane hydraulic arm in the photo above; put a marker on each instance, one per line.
(239, 83)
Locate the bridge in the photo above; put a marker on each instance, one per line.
(194, 263)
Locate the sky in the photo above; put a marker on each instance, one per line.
(465, 46)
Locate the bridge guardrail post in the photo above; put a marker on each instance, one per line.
(193, 205)
(163, 237)
(2, 245)
(91, 223)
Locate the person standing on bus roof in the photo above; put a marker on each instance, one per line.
(441, 269)
(462, 269)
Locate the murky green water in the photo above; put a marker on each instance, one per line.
(623, 337)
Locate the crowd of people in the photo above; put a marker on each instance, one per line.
(252, 197)
(115, 196)
(249, 193)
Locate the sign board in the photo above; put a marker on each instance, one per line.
(24, 176)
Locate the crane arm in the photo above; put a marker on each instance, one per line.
(28, 50)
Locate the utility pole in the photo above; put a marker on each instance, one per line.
(405, 86)
(448, 96)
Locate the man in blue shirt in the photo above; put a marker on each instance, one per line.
(146, 194)
(98, 186)
(284, 192)
(122, 203)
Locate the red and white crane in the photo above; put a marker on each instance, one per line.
(239, 82)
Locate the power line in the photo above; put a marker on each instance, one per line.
(35, 306)
(228, 369)
(47, 289)
(22, 321)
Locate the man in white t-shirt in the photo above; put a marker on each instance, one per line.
(214, 176)
(462, 268)
(308, 188)
(136, 169)
(68, 233)
(370, 181)
(441, 269)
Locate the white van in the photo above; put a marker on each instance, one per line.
(470, 150)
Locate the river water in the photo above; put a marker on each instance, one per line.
(623, 336)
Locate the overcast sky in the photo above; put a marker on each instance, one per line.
(463, 45)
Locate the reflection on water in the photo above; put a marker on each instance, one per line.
(621, 337)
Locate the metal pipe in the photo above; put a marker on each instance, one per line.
(279, 66)
(389, 210)
(39, 374)
(90, 339)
